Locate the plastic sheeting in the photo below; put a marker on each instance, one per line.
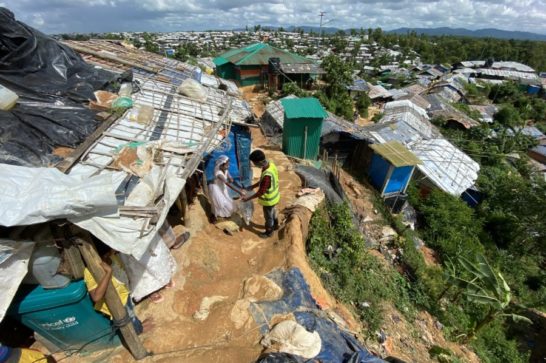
(134, 236)
(152, 271)
(14, 257)
(338, 346)
(315, 178)
(237, 149)
(52, 83)
(35, 195)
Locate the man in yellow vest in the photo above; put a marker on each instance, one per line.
(268, 193)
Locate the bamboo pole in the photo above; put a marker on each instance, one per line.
(118, 311)
(305, 143)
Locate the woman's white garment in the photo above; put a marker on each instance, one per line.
(152, 271)
(222, 204)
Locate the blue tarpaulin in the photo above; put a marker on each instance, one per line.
(338, 346)
(226, 148)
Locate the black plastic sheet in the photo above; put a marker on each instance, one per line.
(53, 84)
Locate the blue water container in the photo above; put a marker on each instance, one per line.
(64, 317)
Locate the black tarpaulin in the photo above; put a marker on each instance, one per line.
(53, 84)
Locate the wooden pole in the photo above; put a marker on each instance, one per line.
(184, 207)
(305, 143)
(71, 253)
(118, 311)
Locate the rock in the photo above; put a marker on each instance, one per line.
(252, 262)
(260, 288)
(388, 234)
(206, 305)
(438, 325)
(239, 313)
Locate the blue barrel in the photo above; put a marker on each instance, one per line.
(65, 317)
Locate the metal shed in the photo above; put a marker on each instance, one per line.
(392, 167)
(302, 127)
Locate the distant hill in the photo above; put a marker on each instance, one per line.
(306, 28)
(480, 33)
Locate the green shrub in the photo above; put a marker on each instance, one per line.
(338, 254)
(493, 346)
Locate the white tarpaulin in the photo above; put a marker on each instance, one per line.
(36, 195)
(14, 257)
(133, 236)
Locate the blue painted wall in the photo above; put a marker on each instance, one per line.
(399, 179)
(379, 168)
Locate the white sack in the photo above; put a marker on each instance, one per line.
(193, 89)
(290, 337)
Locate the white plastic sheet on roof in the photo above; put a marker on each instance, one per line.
(35, 195)
(446, 166)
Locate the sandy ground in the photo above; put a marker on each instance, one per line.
(372, 111)
(257, 99)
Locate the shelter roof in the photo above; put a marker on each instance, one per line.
(309, 107)
(359, 85)
(439, 107)
(259, 53)
(378, 91)
(396, 153)
(180, 129)
(446, 166)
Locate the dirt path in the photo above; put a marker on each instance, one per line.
(212, 264)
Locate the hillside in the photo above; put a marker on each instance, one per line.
(480, 33)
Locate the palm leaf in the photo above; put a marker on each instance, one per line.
(518, 318)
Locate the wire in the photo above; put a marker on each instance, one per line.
(71, 352)
(213, 345)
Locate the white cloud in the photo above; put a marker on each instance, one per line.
(169, 15)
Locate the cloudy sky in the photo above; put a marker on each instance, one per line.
(58, 16)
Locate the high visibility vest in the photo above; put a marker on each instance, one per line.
(272, 195)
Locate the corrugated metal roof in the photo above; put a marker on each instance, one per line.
(396, 153)
(359, 85)
(308, 107)
(259, 54)
(378, 91)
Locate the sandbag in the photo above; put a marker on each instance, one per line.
(193, 89)
(290, 337)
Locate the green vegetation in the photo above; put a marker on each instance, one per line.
(491, 257)
(452, 49)
(339, 256)
(362, 103)
(335, 96)
(291, 88)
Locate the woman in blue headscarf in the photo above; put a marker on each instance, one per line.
(222, 204)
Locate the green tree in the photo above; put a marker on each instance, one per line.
(362, 104)
(485, 286)
(336, 97)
